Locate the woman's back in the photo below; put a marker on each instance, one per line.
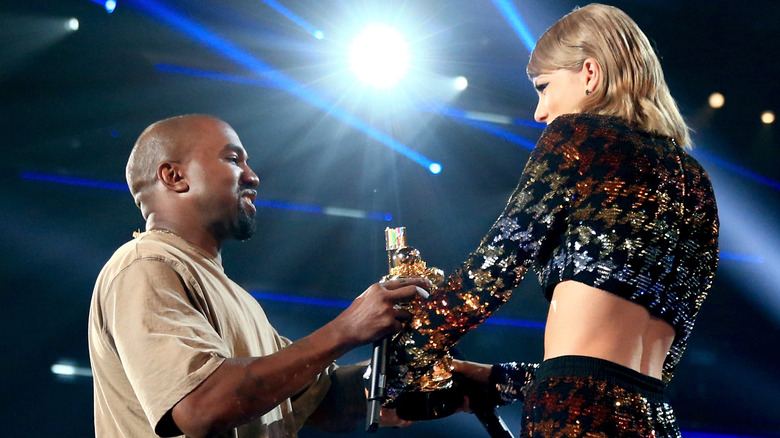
(585, 321)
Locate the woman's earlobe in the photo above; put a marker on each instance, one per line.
(592, 71)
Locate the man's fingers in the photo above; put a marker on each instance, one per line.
(398, 283)
(402, 315)
(386, 286)
(405, 293)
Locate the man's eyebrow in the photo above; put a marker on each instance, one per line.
(230, 147)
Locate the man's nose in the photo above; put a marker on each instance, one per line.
(251, 177)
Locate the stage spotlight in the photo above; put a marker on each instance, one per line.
(717, 100)
(68, 369)
(379, 56)
(768, 117)
(72, 24)
(461, 83)
(108, 5)
(435, 168)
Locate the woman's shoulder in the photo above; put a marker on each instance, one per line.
(593, 123)
(584, 130)
(604, 145)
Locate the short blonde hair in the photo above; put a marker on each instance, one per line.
(632, 84)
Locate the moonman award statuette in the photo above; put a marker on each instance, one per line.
(433, 395)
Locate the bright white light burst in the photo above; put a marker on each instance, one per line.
(379, 56)
(461, 83)
(72, 24)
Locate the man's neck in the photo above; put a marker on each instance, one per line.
(195, 235)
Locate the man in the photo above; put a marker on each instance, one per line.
(178, 348)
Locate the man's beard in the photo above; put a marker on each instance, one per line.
(246, 225)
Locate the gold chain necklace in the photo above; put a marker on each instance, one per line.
(137, 233)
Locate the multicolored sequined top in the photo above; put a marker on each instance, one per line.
(601, 202)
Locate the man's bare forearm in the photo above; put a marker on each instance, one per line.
(243, 389)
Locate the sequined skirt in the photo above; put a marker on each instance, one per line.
(577, 396)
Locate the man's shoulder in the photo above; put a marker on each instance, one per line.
(141, 248)
(137, 252)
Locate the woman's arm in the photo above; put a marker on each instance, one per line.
(536, 210)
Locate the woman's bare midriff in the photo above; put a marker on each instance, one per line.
(585, 321)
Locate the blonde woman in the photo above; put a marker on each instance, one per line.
(619, 223)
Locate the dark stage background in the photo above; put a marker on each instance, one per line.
(73, 102)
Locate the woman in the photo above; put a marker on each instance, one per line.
(619, 223)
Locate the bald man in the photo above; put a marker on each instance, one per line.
(177, 347)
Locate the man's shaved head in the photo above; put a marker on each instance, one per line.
(166, 140)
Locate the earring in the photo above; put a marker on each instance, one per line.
(587, 92)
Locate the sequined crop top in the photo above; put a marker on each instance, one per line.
(601, 202)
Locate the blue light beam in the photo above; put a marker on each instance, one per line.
(487, 127)
(110, 185)
(512, 16)
(170, 68)
(227, 49)
(328, 302)
(292, 16)
(74, 181)
(741, 257)
(330, 211)
(297, 299)
(734, 168)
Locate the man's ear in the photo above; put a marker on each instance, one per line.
(172, 177)
(591, 72)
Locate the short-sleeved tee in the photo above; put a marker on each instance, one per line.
(164, 316)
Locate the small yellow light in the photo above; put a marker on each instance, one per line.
(717, 100)
(768, 117)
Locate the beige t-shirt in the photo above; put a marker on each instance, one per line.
(163, 317)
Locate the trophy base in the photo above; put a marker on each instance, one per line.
(430, 405)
